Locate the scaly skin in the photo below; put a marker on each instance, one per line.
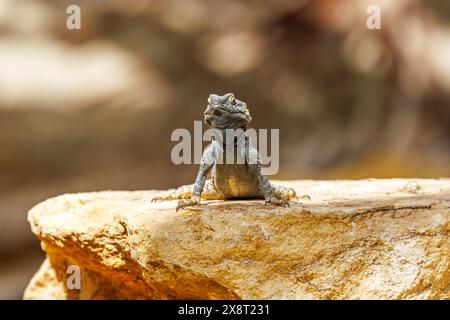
(239, 180)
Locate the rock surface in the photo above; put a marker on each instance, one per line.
(366, 239)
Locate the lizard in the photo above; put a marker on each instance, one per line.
(242, 180)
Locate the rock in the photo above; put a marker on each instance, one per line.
(366, 239)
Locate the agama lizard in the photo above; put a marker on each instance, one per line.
(229, 181)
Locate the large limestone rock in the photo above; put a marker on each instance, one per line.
(368, 239)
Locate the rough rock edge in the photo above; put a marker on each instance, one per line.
(409, 225)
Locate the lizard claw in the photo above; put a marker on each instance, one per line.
(157, 199)
(303, 196)
(183, 203)
(277, 202)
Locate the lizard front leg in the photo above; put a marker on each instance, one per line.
(206, 164)
(267, 189)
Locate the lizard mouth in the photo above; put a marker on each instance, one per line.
(208, 119)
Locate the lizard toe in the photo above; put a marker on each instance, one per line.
(277, 202)
(156, 199)
(187, 203)
(303, 196)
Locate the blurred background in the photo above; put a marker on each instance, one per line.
(93, 109)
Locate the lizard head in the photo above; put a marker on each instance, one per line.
(226, 112)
